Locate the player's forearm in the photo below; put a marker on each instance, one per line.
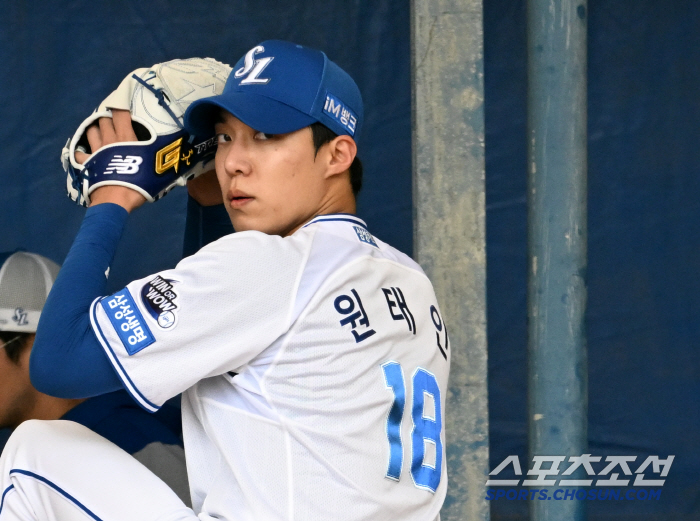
(67, 359)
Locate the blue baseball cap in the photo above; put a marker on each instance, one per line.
(279, 87)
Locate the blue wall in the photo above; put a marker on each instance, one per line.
(643, 320)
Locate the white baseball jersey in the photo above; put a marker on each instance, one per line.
(313, 370)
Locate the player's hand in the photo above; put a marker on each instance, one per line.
(205, 189)
(116, 129)
(156, 98)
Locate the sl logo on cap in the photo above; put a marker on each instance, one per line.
(253, 68)
(20, 317)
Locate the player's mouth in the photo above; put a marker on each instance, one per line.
(238, 199)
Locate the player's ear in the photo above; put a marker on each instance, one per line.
(341, 153)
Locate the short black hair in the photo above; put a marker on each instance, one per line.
(14, 344)
(322, 135)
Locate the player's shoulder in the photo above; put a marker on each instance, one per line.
(399, 257)
(251, 245)
(346, 237)
(248, 255)
(250, 239)
(341, 248)
(321, 247)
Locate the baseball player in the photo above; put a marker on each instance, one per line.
(312, 357)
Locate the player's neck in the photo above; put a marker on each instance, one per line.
(339, 198)
(337, 207)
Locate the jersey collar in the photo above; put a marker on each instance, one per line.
(347, 217)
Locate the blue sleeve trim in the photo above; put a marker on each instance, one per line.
(121, 372)
(57, 489)
(2, 501)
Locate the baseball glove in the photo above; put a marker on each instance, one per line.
(166, 155)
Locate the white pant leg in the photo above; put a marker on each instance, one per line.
(60, 470)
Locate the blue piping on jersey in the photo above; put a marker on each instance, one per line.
(2, 500)
(128, 383)
(56, 488)
(329, 217)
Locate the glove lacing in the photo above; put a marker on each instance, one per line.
(158, 93)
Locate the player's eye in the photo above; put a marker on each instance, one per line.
(263, 136)
(222, 138)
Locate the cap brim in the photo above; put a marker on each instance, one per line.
(258, 112)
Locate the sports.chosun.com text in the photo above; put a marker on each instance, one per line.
(573, 494)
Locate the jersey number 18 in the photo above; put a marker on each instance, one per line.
(426, 429)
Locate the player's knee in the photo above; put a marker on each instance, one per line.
(31, 438)
(29, 432)
(32, 429)
(20, 443)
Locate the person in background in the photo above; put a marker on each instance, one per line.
(153, 439)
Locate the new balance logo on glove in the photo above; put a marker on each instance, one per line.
(127, 165)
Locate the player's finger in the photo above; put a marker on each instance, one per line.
(81, 157)
(109, 135)
(94, 137)
(122, 125)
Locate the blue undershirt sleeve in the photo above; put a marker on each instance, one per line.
(204, 224)
(67, 360)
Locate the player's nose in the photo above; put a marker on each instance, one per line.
(236, 160)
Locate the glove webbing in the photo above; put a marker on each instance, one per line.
(158, 93)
